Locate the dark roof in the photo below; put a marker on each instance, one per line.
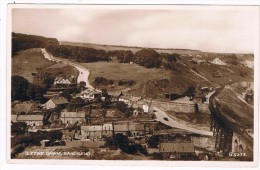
(177, 147)
(128, 126)
(23, 107)
(66, 114)
(59, 100)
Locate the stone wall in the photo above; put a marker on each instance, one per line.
(174, 106)
(181, 107)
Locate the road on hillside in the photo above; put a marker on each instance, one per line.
(164, 118)
(83, 72)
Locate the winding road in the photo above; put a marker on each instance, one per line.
(161, 116)
(83, 72)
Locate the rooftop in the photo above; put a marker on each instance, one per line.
(59, 100)
(177, 147)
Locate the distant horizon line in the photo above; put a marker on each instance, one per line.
(142, 47)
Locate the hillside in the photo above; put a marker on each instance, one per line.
(169, 70)
(26, 62)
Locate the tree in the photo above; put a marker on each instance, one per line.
(19, 87)
(190, 92)
(153, 141)
(18, 128)
(148, 58)
(35, 92)
(121, 141)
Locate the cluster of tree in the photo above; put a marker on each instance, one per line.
(124, 108)
(24, 41)
(231, 59)
(190, 92)
(19, 142)
(43, 80)
(77, 53)
(122, 56)
(169, 61)
(22, 90)
(126, 82)
(122, 142)
(148, 58)
(103, 81)
(18, 128)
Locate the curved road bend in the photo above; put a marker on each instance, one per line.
(83, 72)
(160, 115)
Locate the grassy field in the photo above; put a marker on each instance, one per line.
(26, 62)
(61, 70)
(31, 61)
(149, 82)
(120, 71)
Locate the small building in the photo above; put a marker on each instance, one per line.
(64, 81)
(122, 128)
(107, 129)
(91, 131)
(177, 149)
(129, 128)
(90, 94)
(31, 120)
(125, 99)
(145, 108)
(72, 117)
(56, 102)
(136, 129)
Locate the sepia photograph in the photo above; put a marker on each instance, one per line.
(152, 83)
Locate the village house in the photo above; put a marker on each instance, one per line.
(125, 99)
(136, 129)
(176, 149)
(148, 107)
(96, 131)
(56, 102)
(64, 81)
(31, 120)
(91, 131)
(90, 94)
(72, 117)
(129, 128)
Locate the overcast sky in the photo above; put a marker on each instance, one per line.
(218, 30)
